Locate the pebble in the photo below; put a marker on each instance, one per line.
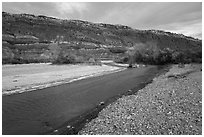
(101, 103)
(68, 126)
(165, 106)
(56, 130)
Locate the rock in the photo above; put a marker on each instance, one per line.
(162, 107)
(19, 39)
(26, 39)
(8, 38)
(129, 117)
(101, 103)
(55, 130)
(92, 61)
(68, 126)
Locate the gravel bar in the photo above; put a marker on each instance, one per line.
(170, 105)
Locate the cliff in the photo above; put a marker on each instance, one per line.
(25, 34)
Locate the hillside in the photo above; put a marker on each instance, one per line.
(29, 38)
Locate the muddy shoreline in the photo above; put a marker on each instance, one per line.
(73, 126)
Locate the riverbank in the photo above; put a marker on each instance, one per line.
(73, 126)
(48, 110)
(29, 77)
(171, 104)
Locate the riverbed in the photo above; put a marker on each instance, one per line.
(46, 110)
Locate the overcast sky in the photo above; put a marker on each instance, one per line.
(185, 18)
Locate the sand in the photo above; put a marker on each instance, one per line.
(29, 77)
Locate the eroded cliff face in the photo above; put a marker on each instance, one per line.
(40, 37)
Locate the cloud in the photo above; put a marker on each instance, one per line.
(27, 7)
(71, 8)
(148, 15)
(191, 28)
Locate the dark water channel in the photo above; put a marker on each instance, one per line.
(43, 111)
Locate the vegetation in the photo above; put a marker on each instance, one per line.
(69, 56)
(123, 59)
(167, 56)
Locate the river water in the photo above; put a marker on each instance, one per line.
(43, 111)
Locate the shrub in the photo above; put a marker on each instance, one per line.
(178, 57)
(79, 59)
(65, 59)
(165, 56)
(121, 59)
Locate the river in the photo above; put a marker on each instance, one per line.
(43, 111)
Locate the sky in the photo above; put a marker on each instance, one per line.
(178, 17)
